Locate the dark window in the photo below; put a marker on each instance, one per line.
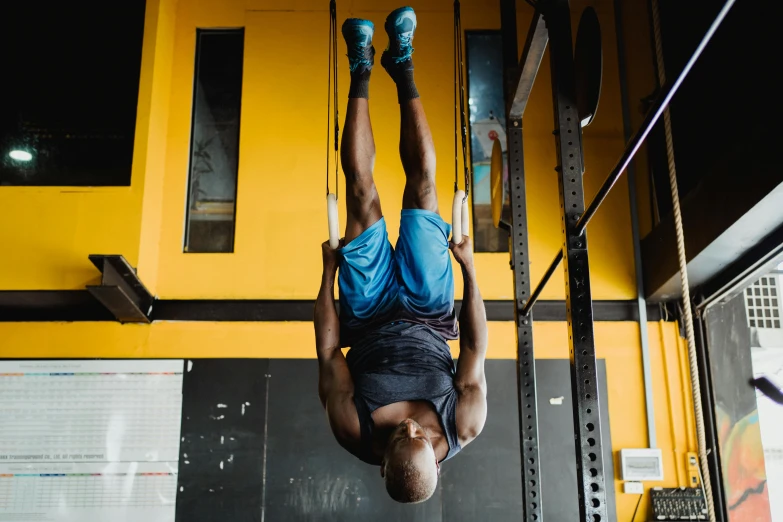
(214, 141)
(70, 87)
(487, 123)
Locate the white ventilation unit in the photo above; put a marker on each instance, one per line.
(762, 303)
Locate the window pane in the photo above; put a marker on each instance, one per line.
(70, 87)
(214, 143)
(487, 122)
(738, 352)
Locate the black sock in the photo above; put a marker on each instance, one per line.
(402, 74)
(360, 83)
(406, 87)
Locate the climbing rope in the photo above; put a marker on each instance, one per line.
(683, 262)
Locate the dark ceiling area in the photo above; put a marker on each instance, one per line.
(722, 126)
(721, 116)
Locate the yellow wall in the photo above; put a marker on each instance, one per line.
(641, 83)
(280, 204)
(47, 233)
(281, 146)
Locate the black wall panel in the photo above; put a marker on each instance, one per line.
(221, 463)
(281, 463)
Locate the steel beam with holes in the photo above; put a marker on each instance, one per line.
(591, 482)
(526, 375)
(532, 501)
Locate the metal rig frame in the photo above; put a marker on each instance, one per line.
(568, 139)
(552, 22)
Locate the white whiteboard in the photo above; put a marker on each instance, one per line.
(89, 440)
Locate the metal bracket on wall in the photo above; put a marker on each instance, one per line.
(121, 291)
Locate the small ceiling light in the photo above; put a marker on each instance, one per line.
(20, 155)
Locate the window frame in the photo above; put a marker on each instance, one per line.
(198, 54)
(478, 247)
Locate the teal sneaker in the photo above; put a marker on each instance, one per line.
(358, 38)
(400, 26)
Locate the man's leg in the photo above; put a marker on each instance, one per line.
(417, 150)
(368, 288)
(417, 153)
(422, 255)
(357, 150)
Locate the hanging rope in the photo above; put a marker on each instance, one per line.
(683, 262)
(331, 98)
(459, 91)
(456, 90)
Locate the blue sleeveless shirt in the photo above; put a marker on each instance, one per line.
(398, 362)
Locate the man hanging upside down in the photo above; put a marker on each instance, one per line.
(396, 400)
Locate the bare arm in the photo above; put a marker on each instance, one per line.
(327, 342)
(470, 381)
(335, 386)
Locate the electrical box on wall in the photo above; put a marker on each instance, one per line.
(633, 488)
(641, 464)
(693, 469)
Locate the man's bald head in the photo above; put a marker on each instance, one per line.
(410, 467)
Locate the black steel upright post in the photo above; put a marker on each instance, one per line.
(532, 501)
(591, 482)
(708, 406)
